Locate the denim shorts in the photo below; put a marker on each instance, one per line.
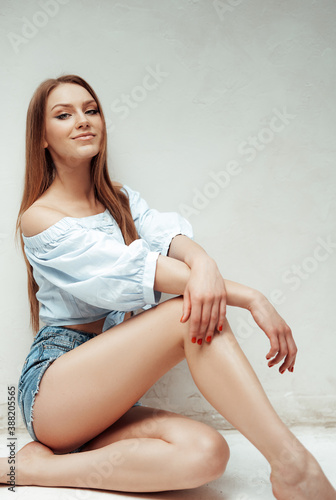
(49, 344)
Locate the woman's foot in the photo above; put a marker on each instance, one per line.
(28, 461)
(296, 476)
(300, 478)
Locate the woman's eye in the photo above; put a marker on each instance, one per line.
(63, 116)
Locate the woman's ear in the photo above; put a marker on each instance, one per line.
(45, 144)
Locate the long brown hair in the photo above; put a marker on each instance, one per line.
(40, 172)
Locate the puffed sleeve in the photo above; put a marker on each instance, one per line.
(156, 228)
(96, 268)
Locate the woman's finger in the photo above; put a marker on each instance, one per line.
(186, 308)
(274, 345)
(213, 322)
(222, 313)
(291, 356)
(282, 353)
(195, 319)
(204, 322)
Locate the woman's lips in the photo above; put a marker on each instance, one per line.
(84, 137)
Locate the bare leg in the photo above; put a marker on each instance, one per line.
(226, 378)
(145, 450)
(117, 367)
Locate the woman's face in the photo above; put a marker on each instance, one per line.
(73, 126)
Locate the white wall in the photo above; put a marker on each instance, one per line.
(236, 131)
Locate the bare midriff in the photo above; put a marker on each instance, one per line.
(94, 327)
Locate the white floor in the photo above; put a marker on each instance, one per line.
(246, 477)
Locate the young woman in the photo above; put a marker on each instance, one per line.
(95, 252)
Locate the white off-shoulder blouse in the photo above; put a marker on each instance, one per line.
(85, 271)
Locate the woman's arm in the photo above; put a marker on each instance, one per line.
(173, 276)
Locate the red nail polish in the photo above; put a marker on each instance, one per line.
(199, 342)
(193, 340)
(220, 328)
(181, 318)
(209, 339)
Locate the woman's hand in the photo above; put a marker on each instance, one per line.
(277, 330)
(204, 300)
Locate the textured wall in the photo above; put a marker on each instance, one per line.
(223, 110)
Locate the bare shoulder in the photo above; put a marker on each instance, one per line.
(117, 184)
(38, 218)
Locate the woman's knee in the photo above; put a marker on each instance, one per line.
(216, 452)
(210, 454)
(172, 310)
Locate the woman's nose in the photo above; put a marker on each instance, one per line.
(82, 120)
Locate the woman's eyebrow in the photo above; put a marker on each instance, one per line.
(65, 105)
